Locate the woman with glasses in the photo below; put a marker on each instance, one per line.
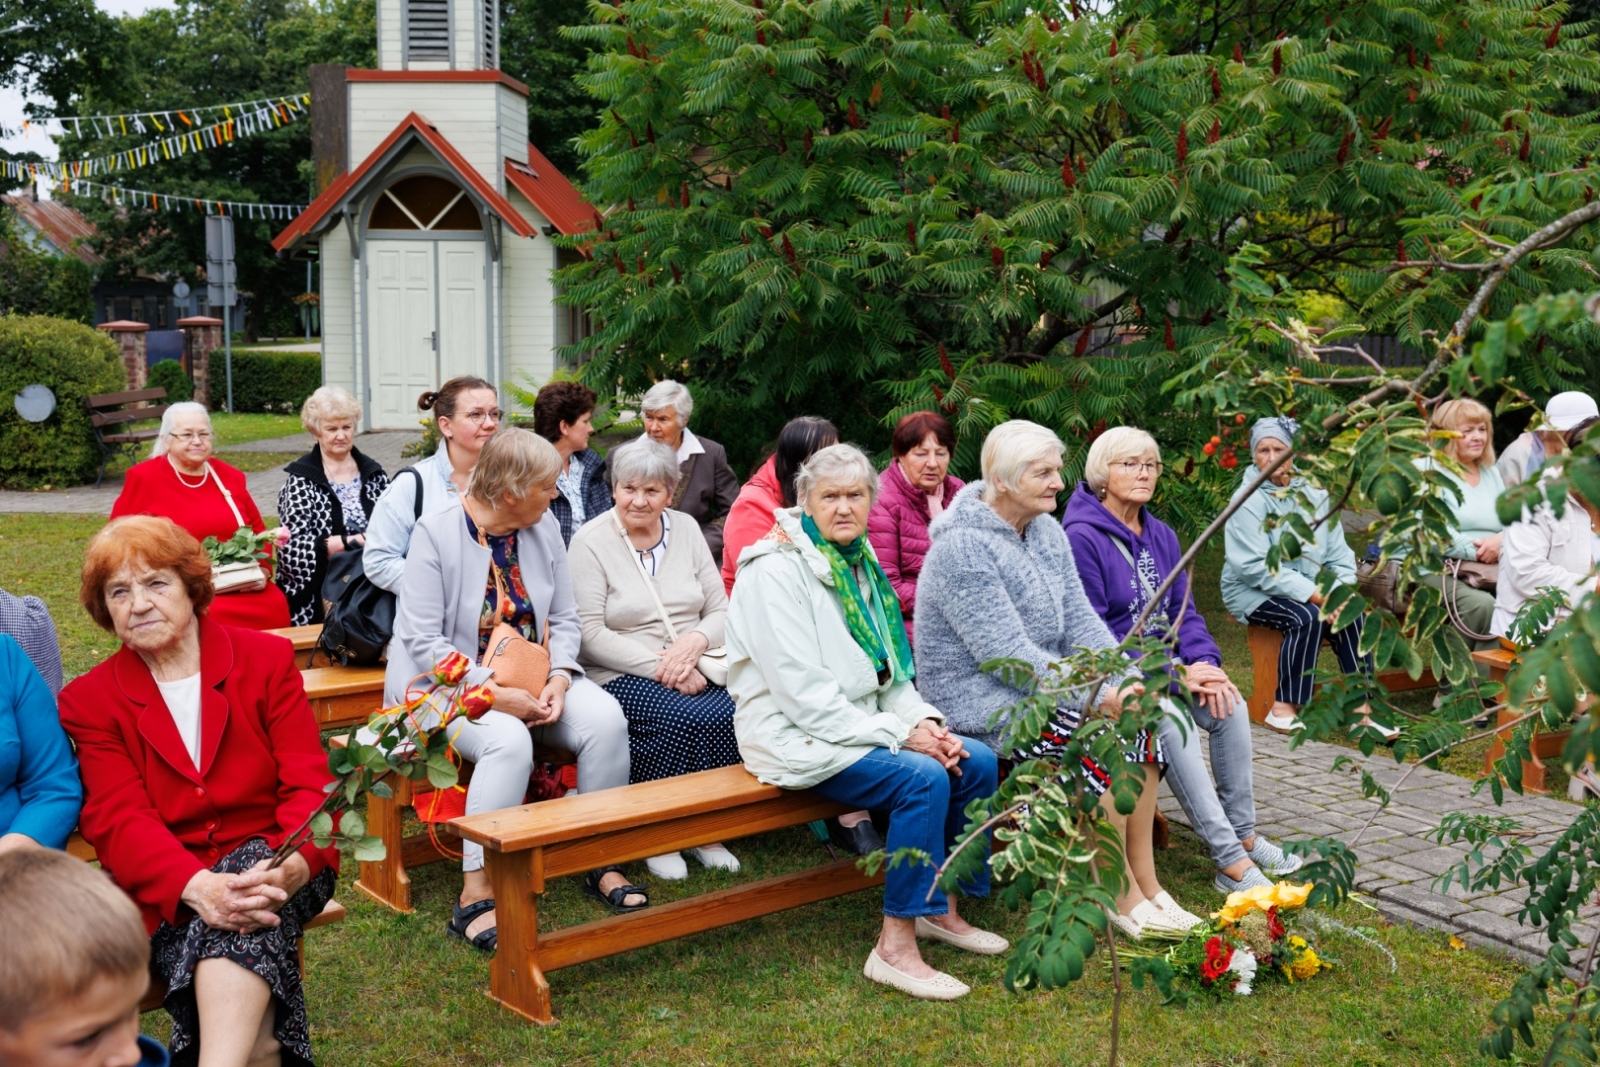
(1124, 553)
(467, 411)
(182, 481)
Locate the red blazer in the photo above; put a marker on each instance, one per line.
(154, 819)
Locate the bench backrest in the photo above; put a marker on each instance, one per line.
(107, 409)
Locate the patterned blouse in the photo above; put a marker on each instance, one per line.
(570, 484)
(349, 495)
(518, 611)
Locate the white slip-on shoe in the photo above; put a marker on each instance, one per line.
(1155, 923)
(1175, 913)
(1388, 733)
(1131, 930)
(940, 987)
(669, 867)
(981, 942)
(1283, 724)
(716, 857)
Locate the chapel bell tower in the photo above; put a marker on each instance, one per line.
(438, 35)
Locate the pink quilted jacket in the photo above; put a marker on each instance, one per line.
(898, 530)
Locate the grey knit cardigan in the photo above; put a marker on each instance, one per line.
(986, 592)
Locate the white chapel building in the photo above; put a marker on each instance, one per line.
(434, 228)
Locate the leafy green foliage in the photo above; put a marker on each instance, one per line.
(169, 375)
(533, 50)
(35, 283)
(266, 381)
(72, 360)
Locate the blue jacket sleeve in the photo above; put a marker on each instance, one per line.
(47, 774)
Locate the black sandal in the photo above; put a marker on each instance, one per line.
(462, 918)
(616, 899)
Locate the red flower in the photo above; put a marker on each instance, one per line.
(1275, 928)
(452, 669)
(476, 701)
(1218, 956)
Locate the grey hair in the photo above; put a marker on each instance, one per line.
(1010, 449)
(1117, 443)
(643, 460)
(841, 463)
(512, 462)
(669, 394)
(329, 402)
(169, 422)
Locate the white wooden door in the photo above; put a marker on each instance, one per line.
(403, 329)
(463, 310)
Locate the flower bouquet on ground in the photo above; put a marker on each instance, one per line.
(413, 740)
(1251, 940)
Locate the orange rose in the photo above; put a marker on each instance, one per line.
(476, 701)
(452, 669)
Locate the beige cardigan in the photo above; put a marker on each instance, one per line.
(622, 630)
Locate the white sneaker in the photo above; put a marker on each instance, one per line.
(1175, 913)
(1283, 724)
(716, 856)
(670, 867)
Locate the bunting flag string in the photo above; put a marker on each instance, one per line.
(270, 115)
(146, 200)
(175, 120)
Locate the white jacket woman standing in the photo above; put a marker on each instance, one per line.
(1542, 551)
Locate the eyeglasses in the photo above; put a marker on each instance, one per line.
(1133, 466)
(478, 418)
(197, 435)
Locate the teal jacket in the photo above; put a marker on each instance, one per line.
(1246, 581)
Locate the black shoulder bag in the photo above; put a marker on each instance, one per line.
(360, 614)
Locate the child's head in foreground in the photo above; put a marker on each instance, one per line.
(74, 964)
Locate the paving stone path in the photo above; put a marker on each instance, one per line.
(1299, 795)
(383, 446)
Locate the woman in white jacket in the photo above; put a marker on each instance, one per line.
(1542, 551)
(822, 671)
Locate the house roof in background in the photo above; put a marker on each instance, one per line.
(550, 191)
(65, 230)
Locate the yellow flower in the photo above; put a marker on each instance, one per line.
(1284, 895)
(1306, 965)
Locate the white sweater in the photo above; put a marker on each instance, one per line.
(1541, 550)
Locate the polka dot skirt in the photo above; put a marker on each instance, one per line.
(671, 734)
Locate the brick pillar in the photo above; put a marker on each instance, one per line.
(130, 340)
(201, 336)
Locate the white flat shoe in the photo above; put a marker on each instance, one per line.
(981, 942)
(670, 867)
(716, 857)
(1153, 922)
(1388, 733)
(940, 987)
(1175, 913)
(1283, 724)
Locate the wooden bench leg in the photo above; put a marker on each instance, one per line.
(1264, 643)
(386, 880)
(515, 978)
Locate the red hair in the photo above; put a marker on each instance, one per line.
(913, 429)
(143, 540)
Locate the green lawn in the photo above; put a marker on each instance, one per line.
(238, 429)
(391, 989)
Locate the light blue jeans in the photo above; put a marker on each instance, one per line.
(1223, 813)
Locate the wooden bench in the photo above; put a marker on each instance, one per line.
(343, 696)
(304, 640)
(1499, 662)
(332, 912)
(1264, 644)
(528, 845)
(109, 411)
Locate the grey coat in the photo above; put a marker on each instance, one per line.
(442, 591)
(986, 592)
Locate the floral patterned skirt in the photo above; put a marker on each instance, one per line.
(175, 951)
(1146, 748)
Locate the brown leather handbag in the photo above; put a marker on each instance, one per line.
(516, 661)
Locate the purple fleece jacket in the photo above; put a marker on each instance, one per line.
(1111, 584)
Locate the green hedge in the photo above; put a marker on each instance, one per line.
(265, 381)
(74, 361)
(169, 375)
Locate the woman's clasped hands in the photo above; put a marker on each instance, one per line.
(249, 900)
(931, 739)
(677, 669)
(541, 710)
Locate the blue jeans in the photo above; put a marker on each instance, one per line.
(924, 803)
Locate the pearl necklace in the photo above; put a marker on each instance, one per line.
(198, 485)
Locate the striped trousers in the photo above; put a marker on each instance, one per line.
(1303, 633)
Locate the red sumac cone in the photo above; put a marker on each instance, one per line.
(650, 132)
(1555, 35)
(788, 250)
(852, 117)
(1113, 48)
(911, 232)
(1044, 259)
(677, 275)
(1527, 144)
(1344, 148)
(886, 19)
(616, 261)
(1068, 178)
(997, 257)
(1383, 129)
(1476, 201)
(1082, 346)
(1411, 55)
(1216, 131)
(1277, 62)
(683, 195)
(1400, 251)
(766, 231)
(1238, 53)
(945, 364)
(761, 36)
(1167, 338)
(1216, 85)
(807, 145)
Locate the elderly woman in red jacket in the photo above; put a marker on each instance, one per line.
(912, 492)
(200, 754)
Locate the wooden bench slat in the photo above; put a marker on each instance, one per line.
(101, 419)
(301, 637)
(132, 396)
(608, 811)
(130, 438)
(323, 682)
(665, 922)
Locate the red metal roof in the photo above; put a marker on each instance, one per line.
(413, 123)
(551, 193)
(57, 223)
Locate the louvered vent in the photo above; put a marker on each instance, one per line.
(491, 38)
(427, 29)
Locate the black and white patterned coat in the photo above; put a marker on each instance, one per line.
(308, 507)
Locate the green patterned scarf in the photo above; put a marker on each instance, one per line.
(867, 622)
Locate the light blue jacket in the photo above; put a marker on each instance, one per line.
(40, 793)
(1246, 581)
(389, 530)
